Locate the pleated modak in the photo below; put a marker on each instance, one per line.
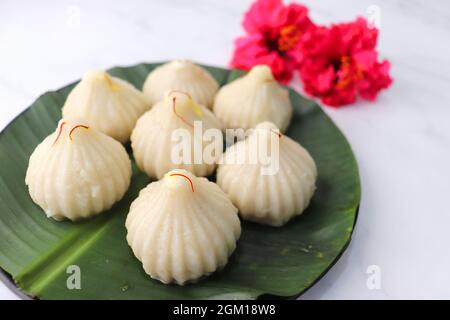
(109, 104)
(182, 228)
(170, 126)
(273, 189)
(182, 75)
(253, 98)
(77, 172)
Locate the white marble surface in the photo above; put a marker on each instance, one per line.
(402, 142)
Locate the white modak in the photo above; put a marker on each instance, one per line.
(182, 228)
(154, 145)
(77, 172)
(109, 104)
(271, 199)
(181, 75)
(253, 98)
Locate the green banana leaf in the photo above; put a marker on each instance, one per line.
(36, 251)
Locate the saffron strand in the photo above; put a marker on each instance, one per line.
(186, 177)
(179, 116)
(180, 92)
(76, 127)
(277, 133)
(59, 133)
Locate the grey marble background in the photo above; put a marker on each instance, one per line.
(402, 142)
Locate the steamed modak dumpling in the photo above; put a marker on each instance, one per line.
(166, 137)
(181, 75)
(268, 176)
(253, 98)
(77, 172)
(182, 228)
(109, 104)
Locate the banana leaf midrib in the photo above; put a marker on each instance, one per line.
(42, 270)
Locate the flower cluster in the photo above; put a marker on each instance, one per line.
(336, 63)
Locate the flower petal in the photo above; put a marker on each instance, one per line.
(340, 62)
(262, 16)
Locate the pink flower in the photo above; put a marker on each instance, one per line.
(340, 63)
(273, 35)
